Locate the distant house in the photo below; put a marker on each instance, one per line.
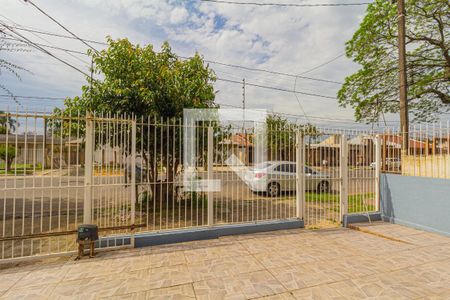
(441, 145)
(361, 150)
(392, 145)
(103, 154)
(239, 144)
(29, 148)
(327, 152)
(324, 153)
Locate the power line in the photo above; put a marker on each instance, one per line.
(270, 72)
(323, 64)
(289, 4)
(299, 102)
(339, 120)
(222, 104)
(47, 46)
(43, 50)
(213, 61)
(32, 97)
(45, 40)
(57, 35)
(61, 25)
(277, 89)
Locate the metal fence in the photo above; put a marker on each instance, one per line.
(128, 175)
(427, 151)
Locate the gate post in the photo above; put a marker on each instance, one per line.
(133, 178)
(377, 171)
(210, 162)
(343, 172)
(300, 178)
(88, 162)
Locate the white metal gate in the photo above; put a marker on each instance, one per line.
(126, 175)
(340, 175)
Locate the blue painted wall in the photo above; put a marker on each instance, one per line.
(416, 201)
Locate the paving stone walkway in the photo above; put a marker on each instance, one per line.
(384, 261)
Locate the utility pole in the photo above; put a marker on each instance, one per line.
(243, 122)
(243, 102)
(404, 120)
(92, 78)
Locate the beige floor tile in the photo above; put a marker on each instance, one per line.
(90, 288)
(185, 291)
(309, 274)
(94, 268)
(155, 278)
(129, 264)
(277, 244)
(282, 296)
(242, 286)
(426, 239)
(44, 276)
(339, 290)
(158, 260)
(7, 280)
(402, 284)
(214, 252)
(308, 264)
(434, 277)
(32, 292)
(283, 258)
(224, 267)
(445, 295)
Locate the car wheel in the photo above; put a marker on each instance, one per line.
(323, 187)
(273, 189)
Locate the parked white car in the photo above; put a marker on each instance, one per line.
(275, 177)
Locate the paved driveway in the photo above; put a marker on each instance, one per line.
(390, 262)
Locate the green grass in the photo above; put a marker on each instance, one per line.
(19, 169)
(355, 201)
(334, 197)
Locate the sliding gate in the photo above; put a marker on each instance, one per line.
(129, 175)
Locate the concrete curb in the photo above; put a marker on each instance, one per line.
(361, 218)
(187, 235)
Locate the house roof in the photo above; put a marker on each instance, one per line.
(332, 141)
(396, 141)
(239, 139)
(360, 140)
(29, 138)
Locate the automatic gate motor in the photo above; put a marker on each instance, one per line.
(87, 235)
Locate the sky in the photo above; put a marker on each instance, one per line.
(283, 39)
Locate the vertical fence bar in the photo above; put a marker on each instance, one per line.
(88, 160)
(344, 177)
(377, 171)
(133, 178)
(300, 188)
(210, 176)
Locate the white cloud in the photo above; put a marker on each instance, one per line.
(282, 39)
(178, 15)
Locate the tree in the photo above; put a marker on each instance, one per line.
(139, 81)
(281, 136)
(7, 154)
(7, 124)
(8, 45)
(373, 90)
(152, 86)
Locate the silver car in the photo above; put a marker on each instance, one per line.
(275, 177)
